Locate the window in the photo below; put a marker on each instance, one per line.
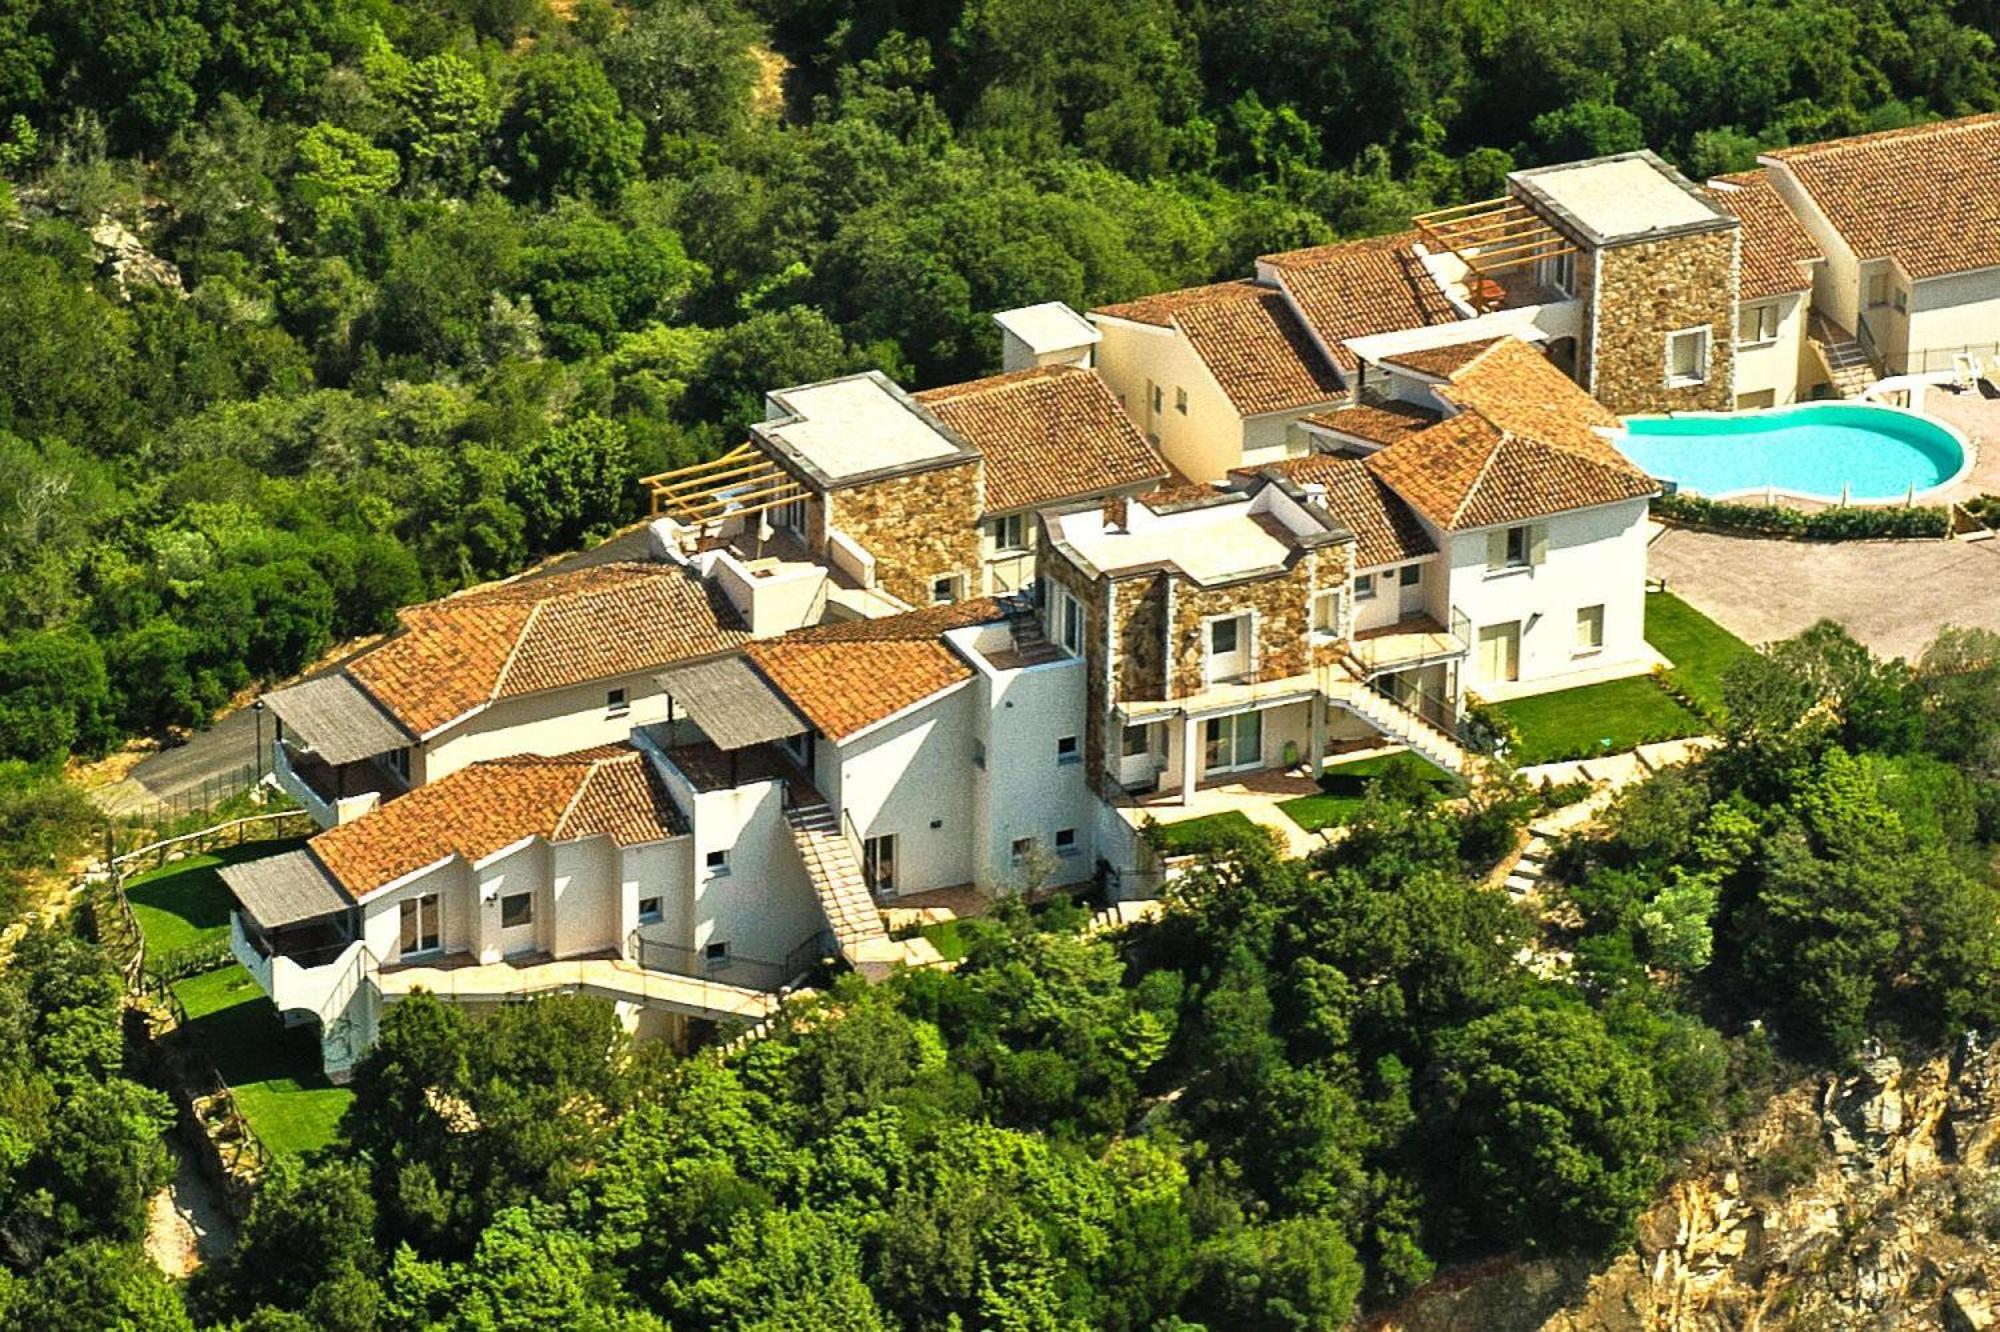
(791, 517)
(947, 587)
(878, 862)
(1159, 400)
(1233, 742)
(517, 909)
(1410, 575)
(718, 862)
(1326, 611)
(1066, 750)
(1180, 401)
(1589, 628)
(1364, 587)
(1138, 741)
(979, 754)
(616, 703)
(1010, 533)
(1224, 636)
(717, 951)
(417, 928)
(650, 912)
(1023, 849)
(399, 762)
(1757, 323)
(1558, 271)
(1065, 841)
(1069, 623)
(1687, 357)
(1511, 548)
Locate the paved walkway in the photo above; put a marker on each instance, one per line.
(604, 977)
(1892, 595)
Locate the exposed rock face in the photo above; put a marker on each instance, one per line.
(1862, 1201)
(124, 258)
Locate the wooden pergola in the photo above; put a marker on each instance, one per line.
(1491, 237)
(740, 484)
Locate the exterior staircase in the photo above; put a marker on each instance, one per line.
(835, 871)
(1848, 368)
(1031, 646)
(1525, 879)
(1399, 724)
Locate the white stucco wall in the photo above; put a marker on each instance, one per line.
(1594, 556)
(458, 905)
(763, 906)
(1836, 288)
(583, 912)
(1774, 366)
(560, 721)
(1947, 313)
(903, 776)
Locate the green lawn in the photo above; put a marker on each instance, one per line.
(1192, 835)
(1607, 718)
(184, 905)
(948, 937)
(1344, 786)
(273, 1070)
(1700, 649)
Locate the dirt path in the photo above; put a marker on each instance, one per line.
(185, 1223)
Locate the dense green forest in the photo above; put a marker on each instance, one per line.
(1305, 1089)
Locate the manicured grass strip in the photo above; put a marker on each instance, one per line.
(949, 938)
(1607, 718)
(274, 1070)
(1700, 649)
(184, 905)
(1192, 835)
(1344, 787)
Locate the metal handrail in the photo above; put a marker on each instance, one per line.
(749, 973)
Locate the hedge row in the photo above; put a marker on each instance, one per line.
(1843, 524)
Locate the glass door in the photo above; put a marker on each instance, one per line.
(418, 932)
(1234, 742)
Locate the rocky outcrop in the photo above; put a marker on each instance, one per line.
(1865, 1200)
(124, 258)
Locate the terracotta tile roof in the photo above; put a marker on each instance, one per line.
(1776, 249)
(926, 622)
(1048, 433)
(1358, 288)
(609, 790)
(1443, 362)
(1521, 391)
(1525, 446)
(1929, 195)
(1377, 422)
(1248, 337)
(463, 652)
(844, 685)
(1385, 530)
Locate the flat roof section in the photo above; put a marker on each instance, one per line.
(1049, 327)
(859, 426)
(1241, 537)
(1620, 198)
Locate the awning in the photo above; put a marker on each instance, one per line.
(731, 703)
(338, 719)
(276, 891)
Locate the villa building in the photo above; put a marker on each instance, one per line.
(966, 639)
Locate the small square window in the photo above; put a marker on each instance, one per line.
(716, 952)
(1223, 636)
(616, 702)
(718, 862)
(1687, 357)
(947, 587)
(1517, 547)
(517, 909)
(650, 912)
(1364, 587)
(1180, 401)
(1757, 323)
(1010, 533)
(1023, 848)
(1410, 575)
(1589, 628)
(1066, 750)
(1138, 741)
(1065, 841)
(1326, 611)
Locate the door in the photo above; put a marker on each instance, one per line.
(1500, 652)
(418, 931)
(1410, 587)
(517, 924)
(1233, 743)
(1229, 649)
(1141, 756)
(878, 864)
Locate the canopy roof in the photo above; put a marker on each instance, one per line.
(287, 889)
(731, 703)
(338, 719)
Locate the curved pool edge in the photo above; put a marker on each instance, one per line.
(1968, 455)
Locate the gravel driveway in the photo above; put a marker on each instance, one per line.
(1892, 595)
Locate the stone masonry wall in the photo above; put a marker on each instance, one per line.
(1283, 603)
(919, 528)
(1648, 290)
(1139, 634)
(1095, 597)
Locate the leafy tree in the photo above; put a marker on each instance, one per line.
(576, 479)
(445, 121)
(309, 1244)
(781, 1269)
(55, 697)
(336, 168)
(566, 131)
(683, 68)
(1296, 1274)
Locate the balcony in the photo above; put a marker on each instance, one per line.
(333, 793)
(312, 967)
(1414, 640)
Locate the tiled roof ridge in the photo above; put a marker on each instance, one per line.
(1492, 345)
(1170, 303)
(514, 652)
(1503, 436)
(1319, 254)
(1006, 379)
(1854, 142)
(557, 586)
(582, 788)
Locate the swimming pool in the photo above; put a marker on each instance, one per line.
(1818, 451)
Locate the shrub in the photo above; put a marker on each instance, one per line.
(1841, 524)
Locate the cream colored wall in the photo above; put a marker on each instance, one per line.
(1836, 282)
(583, 899)
(1206, 441)
(1775, 365)
(458, 910)
(764, 906)
(1289, 722)
(560, 721)
(1961, 310)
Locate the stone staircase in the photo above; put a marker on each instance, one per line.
(1525, 879)
(1848, 368)
(1031, 646)
(1400, 724)
(835, 871)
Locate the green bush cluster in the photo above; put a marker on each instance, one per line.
(1848, 523)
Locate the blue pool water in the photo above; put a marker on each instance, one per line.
(1815, 449)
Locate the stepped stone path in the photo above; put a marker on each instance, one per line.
(186, 1225)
